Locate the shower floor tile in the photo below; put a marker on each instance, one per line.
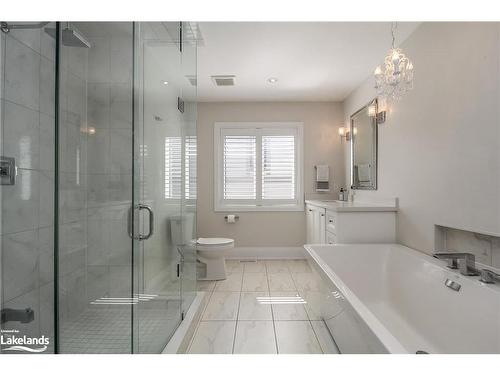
(107, 329)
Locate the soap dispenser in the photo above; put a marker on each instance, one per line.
(351, 194)
(341, 194)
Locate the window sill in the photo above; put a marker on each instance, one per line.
(243, 208)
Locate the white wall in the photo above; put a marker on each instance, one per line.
(439, 150)
(321, 146)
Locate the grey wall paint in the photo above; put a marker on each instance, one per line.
(322, 145)
(439, 150)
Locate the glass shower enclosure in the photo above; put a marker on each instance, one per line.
(98, 185)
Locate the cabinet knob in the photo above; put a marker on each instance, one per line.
(322, 214)
(310, 210)
(331, 221)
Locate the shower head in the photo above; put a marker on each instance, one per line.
(70, 37)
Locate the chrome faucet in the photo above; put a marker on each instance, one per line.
(488, 276)
(465, 262)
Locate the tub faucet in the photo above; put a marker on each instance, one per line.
(465, 262)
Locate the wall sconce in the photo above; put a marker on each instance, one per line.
(381, 117)
(345, 133)
(372, 110)
(378, 110)
(381, 110)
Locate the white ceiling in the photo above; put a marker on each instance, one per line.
(313, 61)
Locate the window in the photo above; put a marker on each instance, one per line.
(278, 167)
(239, 169)
(190, 151)
(258, 166)
(175, 147)
(144, 153)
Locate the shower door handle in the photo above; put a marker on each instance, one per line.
(140, 207)
(151, 221)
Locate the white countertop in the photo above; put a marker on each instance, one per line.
(355, 206)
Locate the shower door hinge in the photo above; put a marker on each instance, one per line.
(180, 37)
(182, 315)
(180, 105)
(178, 270)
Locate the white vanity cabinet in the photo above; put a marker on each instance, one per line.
(316, 224)
(330, 222)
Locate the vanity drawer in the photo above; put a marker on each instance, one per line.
(330, 238)
(330, 222)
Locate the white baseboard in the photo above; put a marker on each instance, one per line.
(266, 252)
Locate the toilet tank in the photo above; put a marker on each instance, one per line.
(182, 228)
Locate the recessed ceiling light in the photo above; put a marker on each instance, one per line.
(165, 82)
(272, 80)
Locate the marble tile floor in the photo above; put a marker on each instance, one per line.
(262, 308)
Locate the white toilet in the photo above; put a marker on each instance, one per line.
(212, 252)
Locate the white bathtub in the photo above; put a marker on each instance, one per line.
(391, 299)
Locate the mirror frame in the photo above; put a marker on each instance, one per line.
(373, 185)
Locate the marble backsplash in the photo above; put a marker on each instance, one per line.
(486, 248)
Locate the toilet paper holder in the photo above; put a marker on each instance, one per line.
(236, 218)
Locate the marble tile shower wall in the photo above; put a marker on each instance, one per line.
(96, 185)
(73, 140)
(486, 248)
(27, 216)
(109, 165)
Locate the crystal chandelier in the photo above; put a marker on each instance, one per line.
(395, 76)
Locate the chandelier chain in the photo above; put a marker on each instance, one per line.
(394, 26)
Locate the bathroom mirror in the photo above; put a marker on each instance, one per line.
(364, 147)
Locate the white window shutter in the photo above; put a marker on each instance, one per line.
(278, 167)
(239, 167)
(258, 166)
(173, 167)
(190, 145)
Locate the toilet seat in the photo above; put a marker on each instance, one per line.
(215, 243)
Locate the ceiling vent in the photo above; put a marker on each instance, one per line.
(192, 80)
(226, 80)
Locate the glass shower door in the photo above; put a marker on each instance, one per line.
(27, 188)
(98, 184)
(95, 269)
(188, 93)
(158, 185)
